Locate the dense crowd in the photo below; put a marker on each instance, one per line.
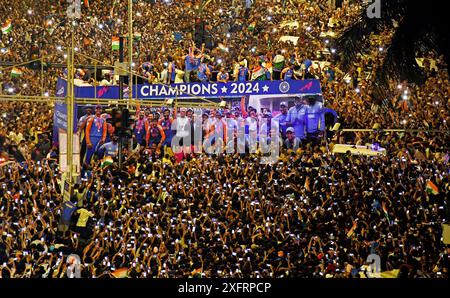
(311, 214)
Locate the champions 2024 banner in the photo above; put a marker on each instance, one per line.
(204, 90)
(181, 91)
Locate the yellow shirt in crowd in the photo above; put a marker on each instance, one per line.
(84, 217)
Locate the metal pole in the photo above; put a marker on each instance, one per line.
(130, 49)
(121, 79)
(95, 80)
(120, 60)
(70, 111)
(42, 77)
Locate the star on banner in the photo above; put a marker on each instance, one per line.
(265, 88)
(224, 89)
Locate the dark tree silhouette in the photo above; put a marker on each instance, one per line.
(420, 26)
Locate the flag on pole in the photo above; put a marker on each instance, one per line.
(7, 27)
(107, 161)
(115, 43)
(15, 72)
(432, 188)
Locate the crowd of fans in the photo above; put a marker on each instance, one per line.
(311, 214)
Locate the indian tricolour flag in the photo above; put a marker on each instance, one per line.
(120, 273)
(15, 72)
(252, 26)
(7, 27)
(107, 161)
(385, 211)
(115, 43)
(432, 188)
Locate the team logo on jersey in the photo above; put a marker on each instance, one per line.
(284, 87)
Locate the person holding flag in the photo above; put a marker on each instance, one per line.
(7, 27)
(278, 65)
(96, 129)
(260, 72)
(385, 211)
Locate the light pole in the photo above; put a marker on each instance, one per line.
(70, 110)
(130, 51)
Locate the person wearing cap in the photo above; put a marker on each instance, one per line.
(140, 129)
(278, 65)
(291, 142)
(296, 118)
(281, 118)
(96, 130)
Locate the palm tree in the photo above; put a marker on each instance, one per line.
(420, 26)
